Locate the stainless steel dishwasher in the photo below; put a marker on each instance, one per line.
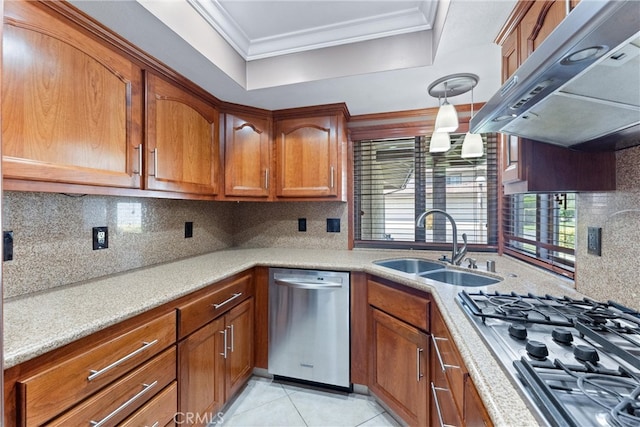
(309, 333)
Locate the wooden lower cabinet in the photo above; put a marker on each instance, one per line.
(213, 363)
(454, 398)
(398, 366)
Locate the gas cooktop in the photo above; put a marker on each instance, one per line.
(576, 360)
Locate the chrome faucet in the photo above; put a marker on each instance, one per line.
(456, 255)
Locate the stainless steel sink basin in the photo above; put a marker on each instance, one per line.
(459, 278)
(410, 265)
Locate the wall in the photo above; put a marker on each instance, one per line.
(52, 233)
(53, 245)
(260, 225)
(614, 275)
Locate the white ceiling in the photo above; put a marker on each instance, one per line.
(374, 55)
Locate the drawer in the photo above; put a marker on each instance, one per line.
(197, 313)
(116, 402)
(48, 393)
(159, 411)
(448, 359)
(410, 308)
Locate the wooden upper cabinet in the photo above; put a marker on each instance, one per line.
(182, 140)
(71, 106)
(247, 156)
(308, 152)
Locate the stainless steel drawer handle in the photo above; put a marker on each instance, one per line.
(266, 179)
(419, 374)
(442, 364)
(156, 424)
(224, 346)
(306, 285)
(155, 162)
(97, 373)
(139, 171)
(146, 388)
(228, 300)
(232, 338)
(437, 402)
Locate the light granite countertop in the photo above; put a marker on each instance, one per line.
(40, 322)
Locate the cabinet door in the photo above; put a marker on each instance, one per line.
(72, 108)
(539, 21)
(398, 367)
(247, 156)
(239, 366)
(201, 372)
(182, 140)
(307, 157)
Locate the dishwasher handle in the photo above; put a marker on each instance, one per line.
(303, 284)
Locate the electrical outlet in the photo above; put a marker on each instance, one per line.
(302, 224)
(594, 240)
(7, 245)
(100, 238)
(188, 230)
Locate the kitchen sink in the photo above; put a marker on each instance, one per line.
(459, 278)
(410, 265)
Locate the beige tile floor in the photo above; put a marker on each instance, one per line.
(265, 402)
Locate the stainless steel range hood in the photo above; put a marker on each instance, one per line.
(581, 87)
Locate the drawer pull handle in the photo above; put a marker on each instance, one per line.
(224, 353)
(95, 374)
(139, 171)
(419, 374)
(266, 179)
(155, 162)
(228, 300)
(146, 388)
(442, 364)
(156, 424)
(435, 400)
(232, 337)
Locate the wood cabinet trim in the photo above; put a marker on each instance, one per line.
(519, 11)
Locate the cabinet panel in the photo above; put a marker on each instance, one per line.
(160, 411)
(48, 393)
(201, 372)
(398, 366)
(247, 156)
(239, 324)
(307, 157)
(213, 303)
(72, 108)
(407, 307)
(123, 397)
(182, 140)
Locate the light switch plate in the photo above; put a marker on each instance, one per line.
(594, 241)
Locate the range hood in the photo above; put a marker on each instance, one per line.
(581, 87)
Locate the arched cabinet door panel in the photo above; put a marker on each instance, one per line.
(247, 156)
(182, 140)
(72, 107)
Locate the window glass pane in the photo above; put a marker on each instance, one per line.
(396, 180)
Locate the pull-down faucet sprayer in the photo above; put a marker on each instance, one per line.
(456, 255)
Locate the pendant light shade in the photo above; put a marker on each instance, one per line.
(472, 146)
(440, 142)
(447, 118)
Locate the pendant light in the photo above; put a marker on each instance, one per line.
(448, 86)
(472, 145)
(447, 118)
(440, 142)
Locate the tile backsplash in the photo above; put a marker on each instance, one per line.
(614, 275)
(53, 244)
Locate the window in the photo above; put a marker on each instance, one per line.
(540, 228)
(395, 180)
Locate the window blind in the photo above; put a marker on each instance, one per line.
(540, 228)
(395, 180)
